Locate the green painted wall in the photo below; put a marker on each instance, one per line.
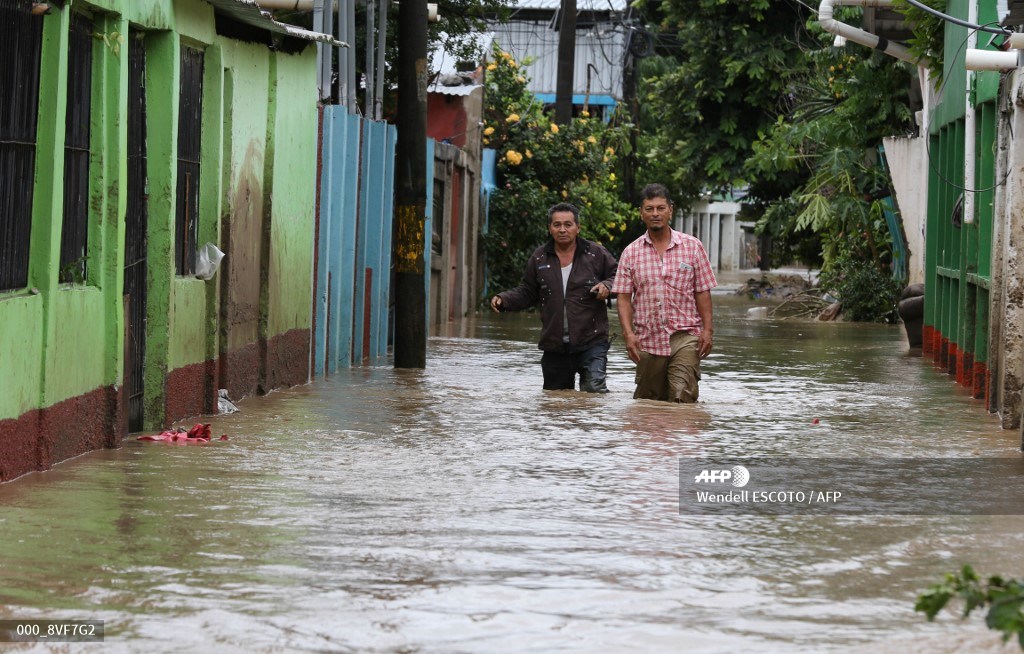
(75, 349)
(188, 322)
(247, 118)
(294, 193)
(21, 353)
(259, 156)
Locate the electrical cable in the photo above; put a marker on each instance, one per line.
(962, 23)
(927, 140)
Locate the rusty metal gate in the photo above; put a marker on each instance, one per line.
(135, 232)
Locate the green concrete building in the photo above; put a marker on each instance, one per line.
(132, 133)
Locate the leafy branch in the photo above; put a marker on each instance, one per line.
(1003, 597)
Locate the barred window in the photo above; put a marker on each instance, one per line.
(21, 38)
(74, 237)
(190, 113)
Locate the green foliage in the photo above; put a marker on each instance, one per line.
(847, 100)
(724, 69)
(868, 294)
(752, 92)
(928, 42)
(1003, 597)
(540, 164)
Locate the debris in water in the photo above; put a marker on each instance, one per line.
(198, 434)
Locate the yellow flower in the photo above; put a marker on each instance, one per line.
(581, 148)
(610, 225)
(506, 55)
(591, 140)
(512, 63)
(543, 187)
(492, 67)
(611, 176)
(565, 193)
(488, 131)
(622, 227)
(513, 157)
(610, 152)
(585, 114)
(529, 155)
(512, 118)
(554, 128)
(521, 79)
(604, 159)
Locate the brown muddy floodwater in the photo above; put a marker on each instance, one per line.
(463, 509)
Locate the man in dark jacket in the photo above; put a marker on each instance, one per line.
(570, 278)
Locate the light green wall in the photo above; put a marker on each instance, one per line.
(188, 322)
(21, 351)
(249, 68)
(75, 351)
(61, 341)
(162, 63)
(293, 192)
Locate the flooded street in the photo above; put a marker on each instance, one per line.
(463, 509)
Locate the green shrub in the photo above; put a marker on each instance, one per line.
(868, 293)
(540, 164)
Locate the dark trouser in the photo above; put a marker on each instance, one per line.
(560, 369)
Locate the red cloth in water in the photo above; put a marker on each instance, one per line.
(198, 434)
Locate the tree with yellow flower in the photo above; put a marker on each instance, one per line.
(539, 164)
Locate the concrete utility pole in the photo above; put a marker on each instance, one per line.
(411, 187)
(566, 62)
(629, 84)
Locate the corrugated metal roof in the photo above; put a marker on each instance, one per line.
(581, 5)
(248, 12)
(599, 51)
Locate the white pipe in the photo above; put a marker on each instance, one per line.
(1015, 40)
(857, 35)
(970, 122)
(990, 60)
(382, 32)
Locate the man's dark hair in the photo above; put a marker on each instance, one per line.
(652, 191)
(564, 206)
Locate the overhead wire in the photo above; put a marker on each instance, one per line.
(927, 138)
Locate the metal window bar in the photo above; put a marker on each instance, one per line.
(21, 38)
(190, 114)
(135, 231)
(74, 235)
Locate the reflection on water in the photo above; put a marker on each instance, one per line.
(463, 509)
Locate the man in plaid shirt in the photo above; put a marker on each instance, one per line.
(664, 287)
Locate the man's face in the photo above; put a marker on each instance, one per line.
(563, 227)
(656, 213)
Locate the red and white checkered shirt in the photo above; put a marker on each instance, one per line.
(663, 288)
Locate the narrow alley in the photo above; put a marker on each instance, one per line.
(462, 509)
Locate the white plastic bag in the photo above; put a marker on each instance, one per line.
(207, 261)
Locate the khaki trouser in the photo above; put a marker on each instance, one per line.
(673, 378)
